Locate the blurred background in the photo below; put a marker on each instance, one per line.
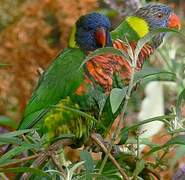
(33, 32)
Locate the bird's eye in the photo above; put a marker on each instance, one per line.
(160, 15)
(87, 28)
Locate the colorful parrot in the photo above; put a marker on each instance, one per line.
(59, 83)
(102, 68)
(63, 83)
(144, 20)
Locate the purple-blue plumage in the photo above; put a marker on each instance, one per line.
(86, 31)
(157, 16)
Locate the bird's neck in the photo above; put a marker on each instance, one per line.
(139, 25)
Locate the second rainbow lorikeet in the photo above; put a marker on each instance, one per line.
(58, 84)
(54, 103)
(100, 69)
(146, 19)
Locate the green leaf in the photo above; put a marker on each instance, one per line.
(71, 171)
(94, 175)
(175, 140)
(158, 118)
(89, 163)
(3, 65)
(5, 121)
(149, 37)
(179, 154)
(25, 169)
(106, 50)
(17, 133)
(180, 101)
(124, 137)
(17, 150)
(62, 136)
(140, 165)
(116, 97)
(154, 74)
(7, 140)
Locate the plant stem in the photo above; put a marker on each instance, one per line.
(118, 129)
(20, 161)
(161, 158)
(137, 138)
(57, 164)
(121, 170)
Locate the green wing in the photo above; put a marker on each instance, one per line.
(61, 79)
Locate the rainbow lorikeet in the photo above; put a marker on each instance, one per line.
(133, 28)
(59, 83)
(102, 68)
(146, 19)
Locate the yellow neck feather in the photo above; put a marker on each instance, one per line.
(72, 42)
(140, 26)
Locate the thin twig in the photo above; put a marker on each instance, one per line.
(20, 161)
(127, 97)
(157, 175)
(45, 155)
(138, 144)
(121, 170)
(57, 164)
(161, 158)
(117, 130)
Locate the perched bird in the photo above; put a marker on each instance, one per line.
(146, 19)
(55, 100)
(63, 83)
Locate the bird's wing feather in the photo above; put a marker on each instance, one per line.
(60, 80)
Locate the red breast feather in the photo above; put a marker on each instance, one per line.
(101, 68)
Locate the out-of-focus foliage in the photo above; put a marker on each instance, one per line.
(31, 34)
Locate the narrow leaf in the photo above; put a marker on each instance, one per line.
(149, 37)
(8, 140)
(180, 101)
(116, 97)
(25, 169)
(140, 165)
(3, 65)
(105, 50)
(16, 133)
(180, 140)
(5, 121)
(158, 118)
(89, 163)
(154, 74)
(17, 150)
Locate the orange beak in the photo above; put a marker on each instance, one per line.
(174, 21)
(100, 35)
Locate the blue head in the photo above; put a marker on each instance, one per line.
(158, 16)
(92, 32)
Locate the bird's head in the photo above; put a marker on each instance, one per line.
(92, 32)
(156, 16)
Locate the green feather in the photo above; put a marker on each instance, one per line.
(133, 28)
(61, 120)
(60, 80)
